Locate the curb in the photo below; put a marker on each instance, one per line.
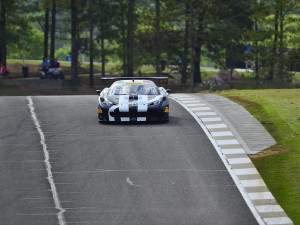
(248, 131)
(249, 182)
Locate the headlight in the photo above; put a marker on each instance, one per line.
(164, 102)
(155, 102)
(159, 102)
(104, 102)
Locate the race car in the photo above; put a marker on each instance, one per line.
(133, 99)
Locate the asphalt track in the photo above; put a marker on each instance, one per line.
(166, 173)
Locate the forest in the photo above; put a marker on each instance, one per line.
(186, 34)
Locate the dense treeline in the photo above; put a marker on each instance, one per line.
(265, 34)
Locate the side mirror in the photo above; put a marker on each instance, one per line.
(98, 92)
(168, 91)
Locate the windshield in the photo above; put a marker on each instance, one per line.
(133, 90)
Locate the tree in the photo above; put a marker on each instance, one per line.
(258, 38)
(130, 38)
(53, 29)
(275, 44)
(28, 46)
(119, 36)
(231, 22)
(74, 40)
(285, 7)
(46, 30)
(186, 44)
(12, 23)
(269, 38)
(123, 36)
(150, 32)
(3, 7)
(157, 36)
(102, 33)
(192, 38)
(202, 7)
(92, 20)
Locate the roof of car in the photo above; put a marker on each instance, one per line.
(135, 82)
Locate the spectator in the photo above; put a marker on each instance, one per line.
(45, 68)
(54, 71)
(56, 64)
(2, 70)
(51, 63)
(46, 64)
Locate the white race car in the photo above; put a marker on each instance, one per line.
(133, 99)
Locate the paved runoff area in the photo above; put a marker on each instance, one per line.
(251, 134)
(235, 134)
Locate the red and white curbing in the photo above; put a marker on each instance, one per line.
(249, 182)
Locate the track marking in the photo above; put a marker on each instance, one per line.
(211, 119)
(131, 183)
(136, 171)
(216, 126)
(232, 151)
(245, 171)
(60, 214)
(197, 105)
(278, 220)
(253, 183)
(97, 222)
(204, 109)
(222, 134)
(203, 113)
(269, 208)
(227, 142)
(260, 195)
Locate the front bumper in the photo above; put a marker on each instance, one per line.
(152, 114)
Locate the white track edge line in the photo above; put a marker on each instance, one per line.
(50, 179)
(227, 165)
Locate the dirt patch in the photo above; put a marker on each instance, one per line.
(245, 103)
(274, 150)
(254, 109)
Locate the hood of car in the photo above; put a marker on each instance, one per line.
(132, 99)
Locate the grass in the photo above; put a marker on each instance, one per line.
(16, 61)
(279, 112)
(297, 77)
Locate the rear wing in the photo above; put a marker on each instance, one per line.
(134, 78)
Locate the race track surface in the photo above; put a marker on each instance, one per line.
(164, 173)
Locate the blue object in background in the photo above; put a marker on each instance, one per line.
(69, 58)
(248, 48)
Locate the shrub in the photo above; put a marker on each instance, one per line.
(221, 80)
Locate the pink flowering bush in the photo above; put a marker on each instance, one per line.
(221, 80)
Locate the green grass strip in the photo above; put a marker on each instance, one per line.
(279, 112)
